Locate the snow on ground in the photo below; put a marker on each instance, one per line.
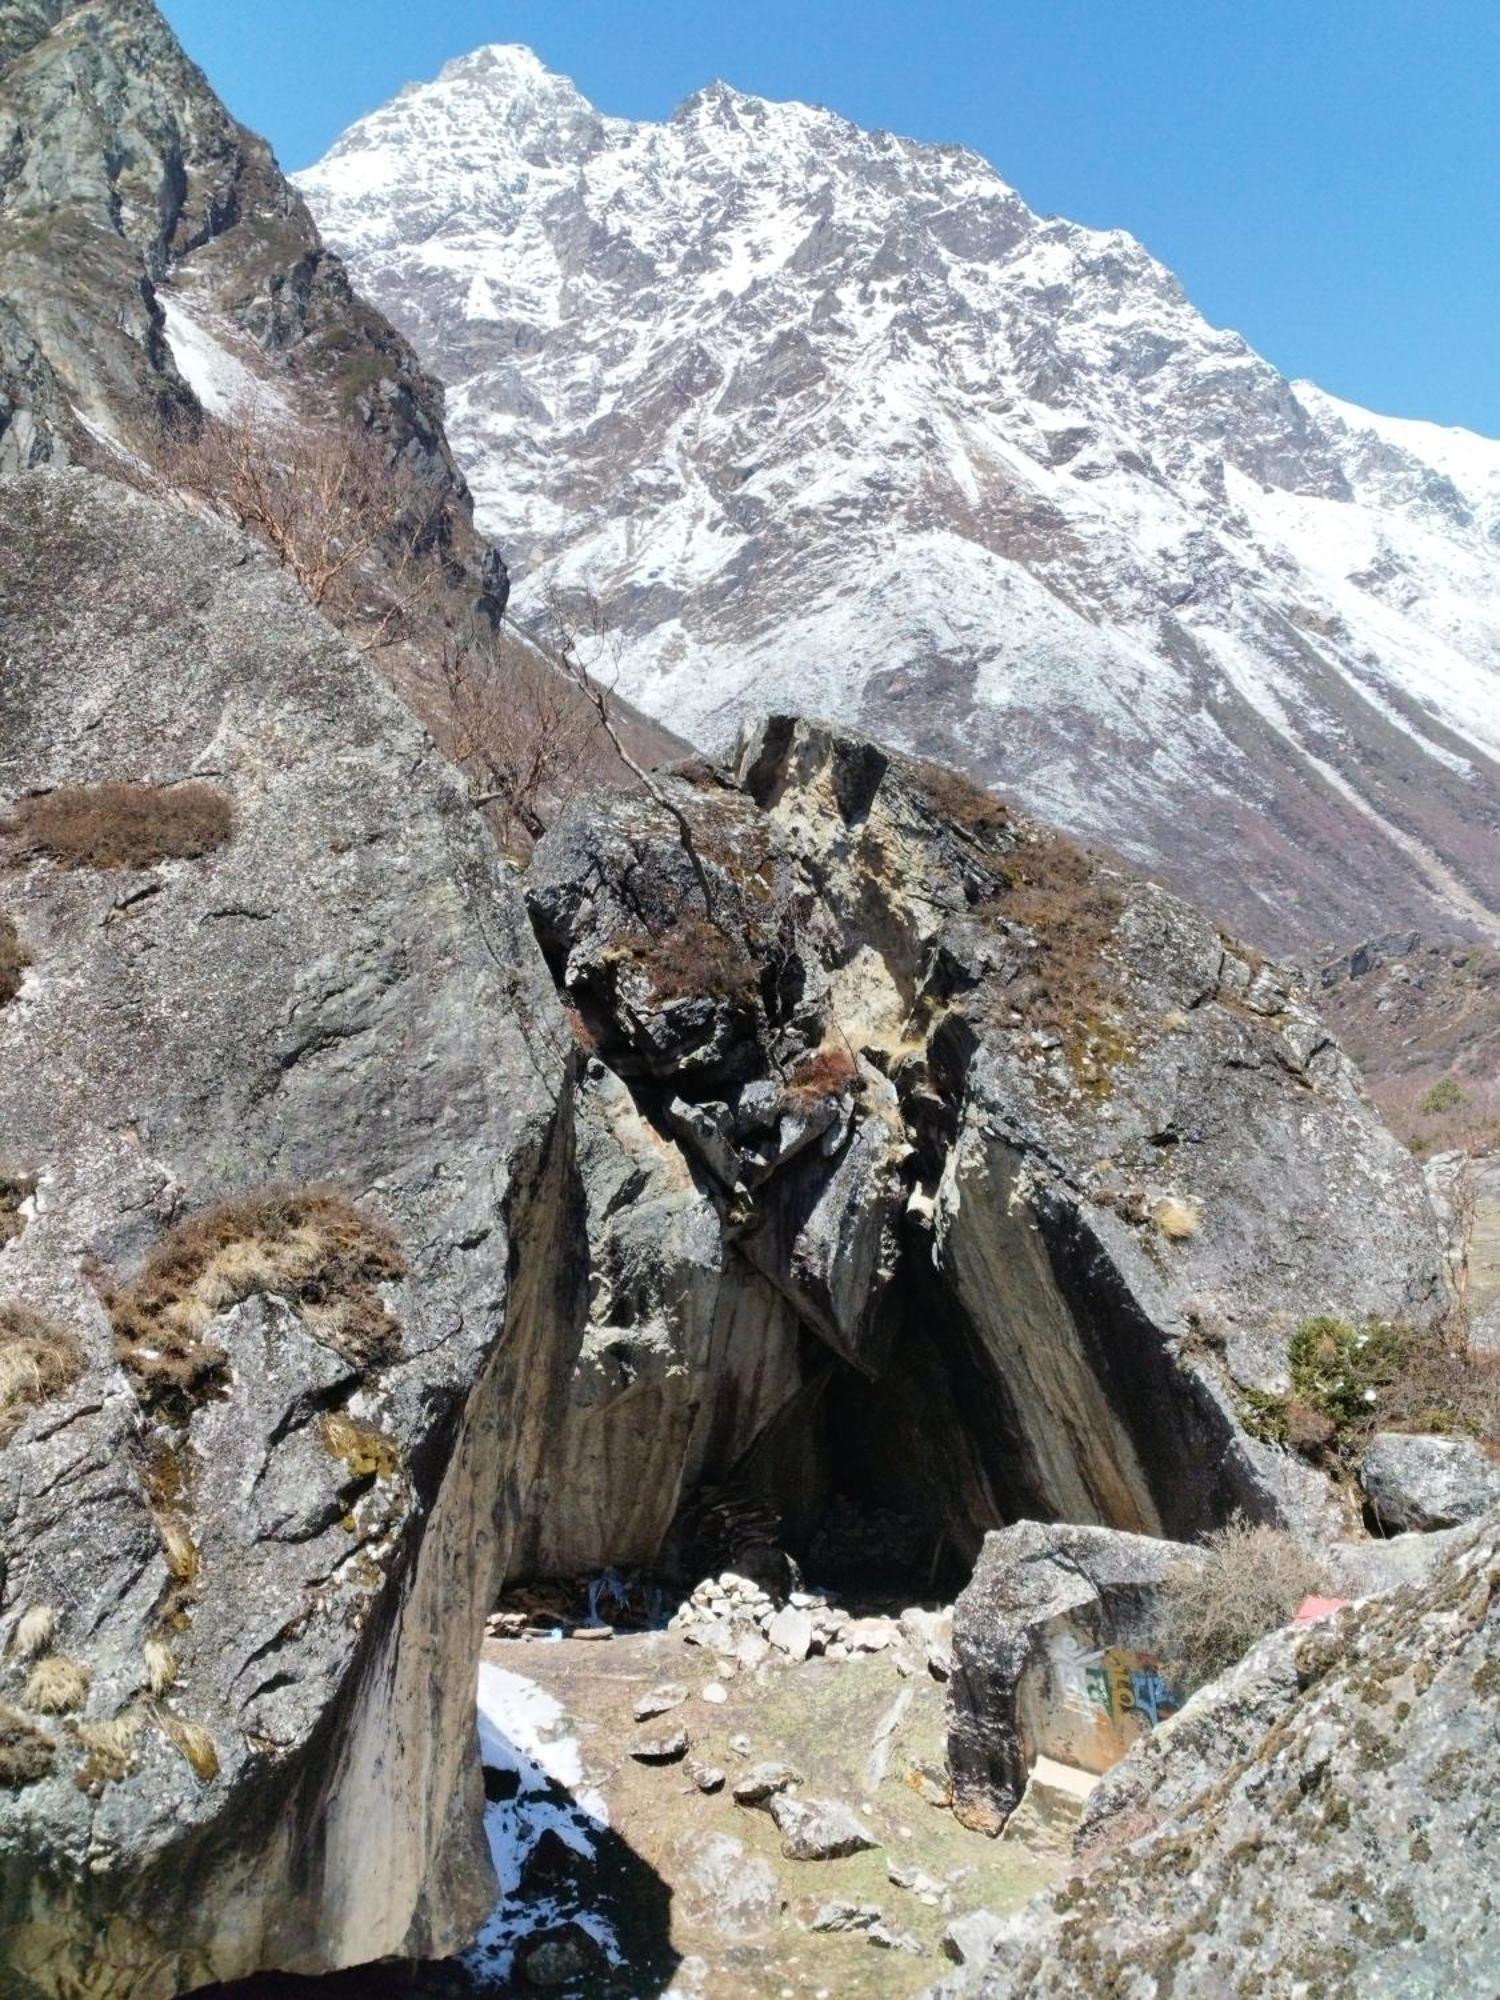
(217, 377)
(528, 1748)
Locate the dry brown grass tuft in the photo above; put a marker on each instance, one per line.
(26, 1752)
(38, 1360)
(312, 1248)
(193, 1741)
(178, 1547)
(1250, 1583)
(121, 826)
(824, 1072)
(1176, 1220)
(161, 1665)
(34, 1632)
(14, 959)
(56, 1686)
(110, 1750)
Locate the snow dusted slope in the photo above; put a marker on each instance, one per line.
(831, 420)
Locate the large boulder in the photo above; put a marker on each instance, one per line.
(282, 1120)
(1321, 1821)
(1061, 1649)
(1416, 1482)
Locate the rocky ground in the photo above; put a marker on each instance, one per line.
(694, 1888)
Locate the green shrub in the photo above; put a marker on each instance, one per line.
(1445, 1095)
(1340, 1370)
(1348, 1381)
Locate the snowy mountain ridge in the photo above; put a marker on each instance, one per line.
(831, 420)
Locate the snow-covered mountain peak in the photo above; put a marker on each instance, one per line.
(507, 66)
(834, 421)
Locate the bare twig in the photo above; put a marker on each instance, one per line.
(361, 534)
(582, 616)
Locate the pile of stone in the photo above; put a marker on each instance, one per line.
(738, 1620)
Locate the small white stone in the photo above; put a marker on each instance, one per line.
(791, 1632)
(713, 1691)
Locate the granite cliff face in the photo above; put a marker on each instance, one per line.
(1044, 1165)
(834, 422)
(284, 1167)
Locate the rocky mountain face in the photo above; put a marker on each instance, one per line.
(1421, 1017)
(155, 263)
(831, 421)
(832, 1141)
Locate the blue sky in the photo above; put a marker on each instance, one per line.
(1323, 175)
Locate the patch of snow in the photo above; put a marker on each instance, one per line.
(221, 381)
(524, 1733)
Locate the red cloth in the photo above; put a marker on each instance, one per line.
(1311, 1609)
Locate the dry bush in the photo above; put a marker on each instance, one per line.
(14, 959)
(958, 800)
(1441, 1386)
(518, 730)
(1055, 892)
(26, 1752)
(311, 1247)
(1251, 1581)
(56, 1686)
(824, 1072)
(362, 533)
(1053, 889)
(121, 826)
(38, 1360)
(698, 957)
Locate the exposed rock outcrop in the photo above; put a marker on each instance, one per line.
(154, 262)
(1315, 1822)
(888, 1152)
(1038, 1162)
(289, 1114)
